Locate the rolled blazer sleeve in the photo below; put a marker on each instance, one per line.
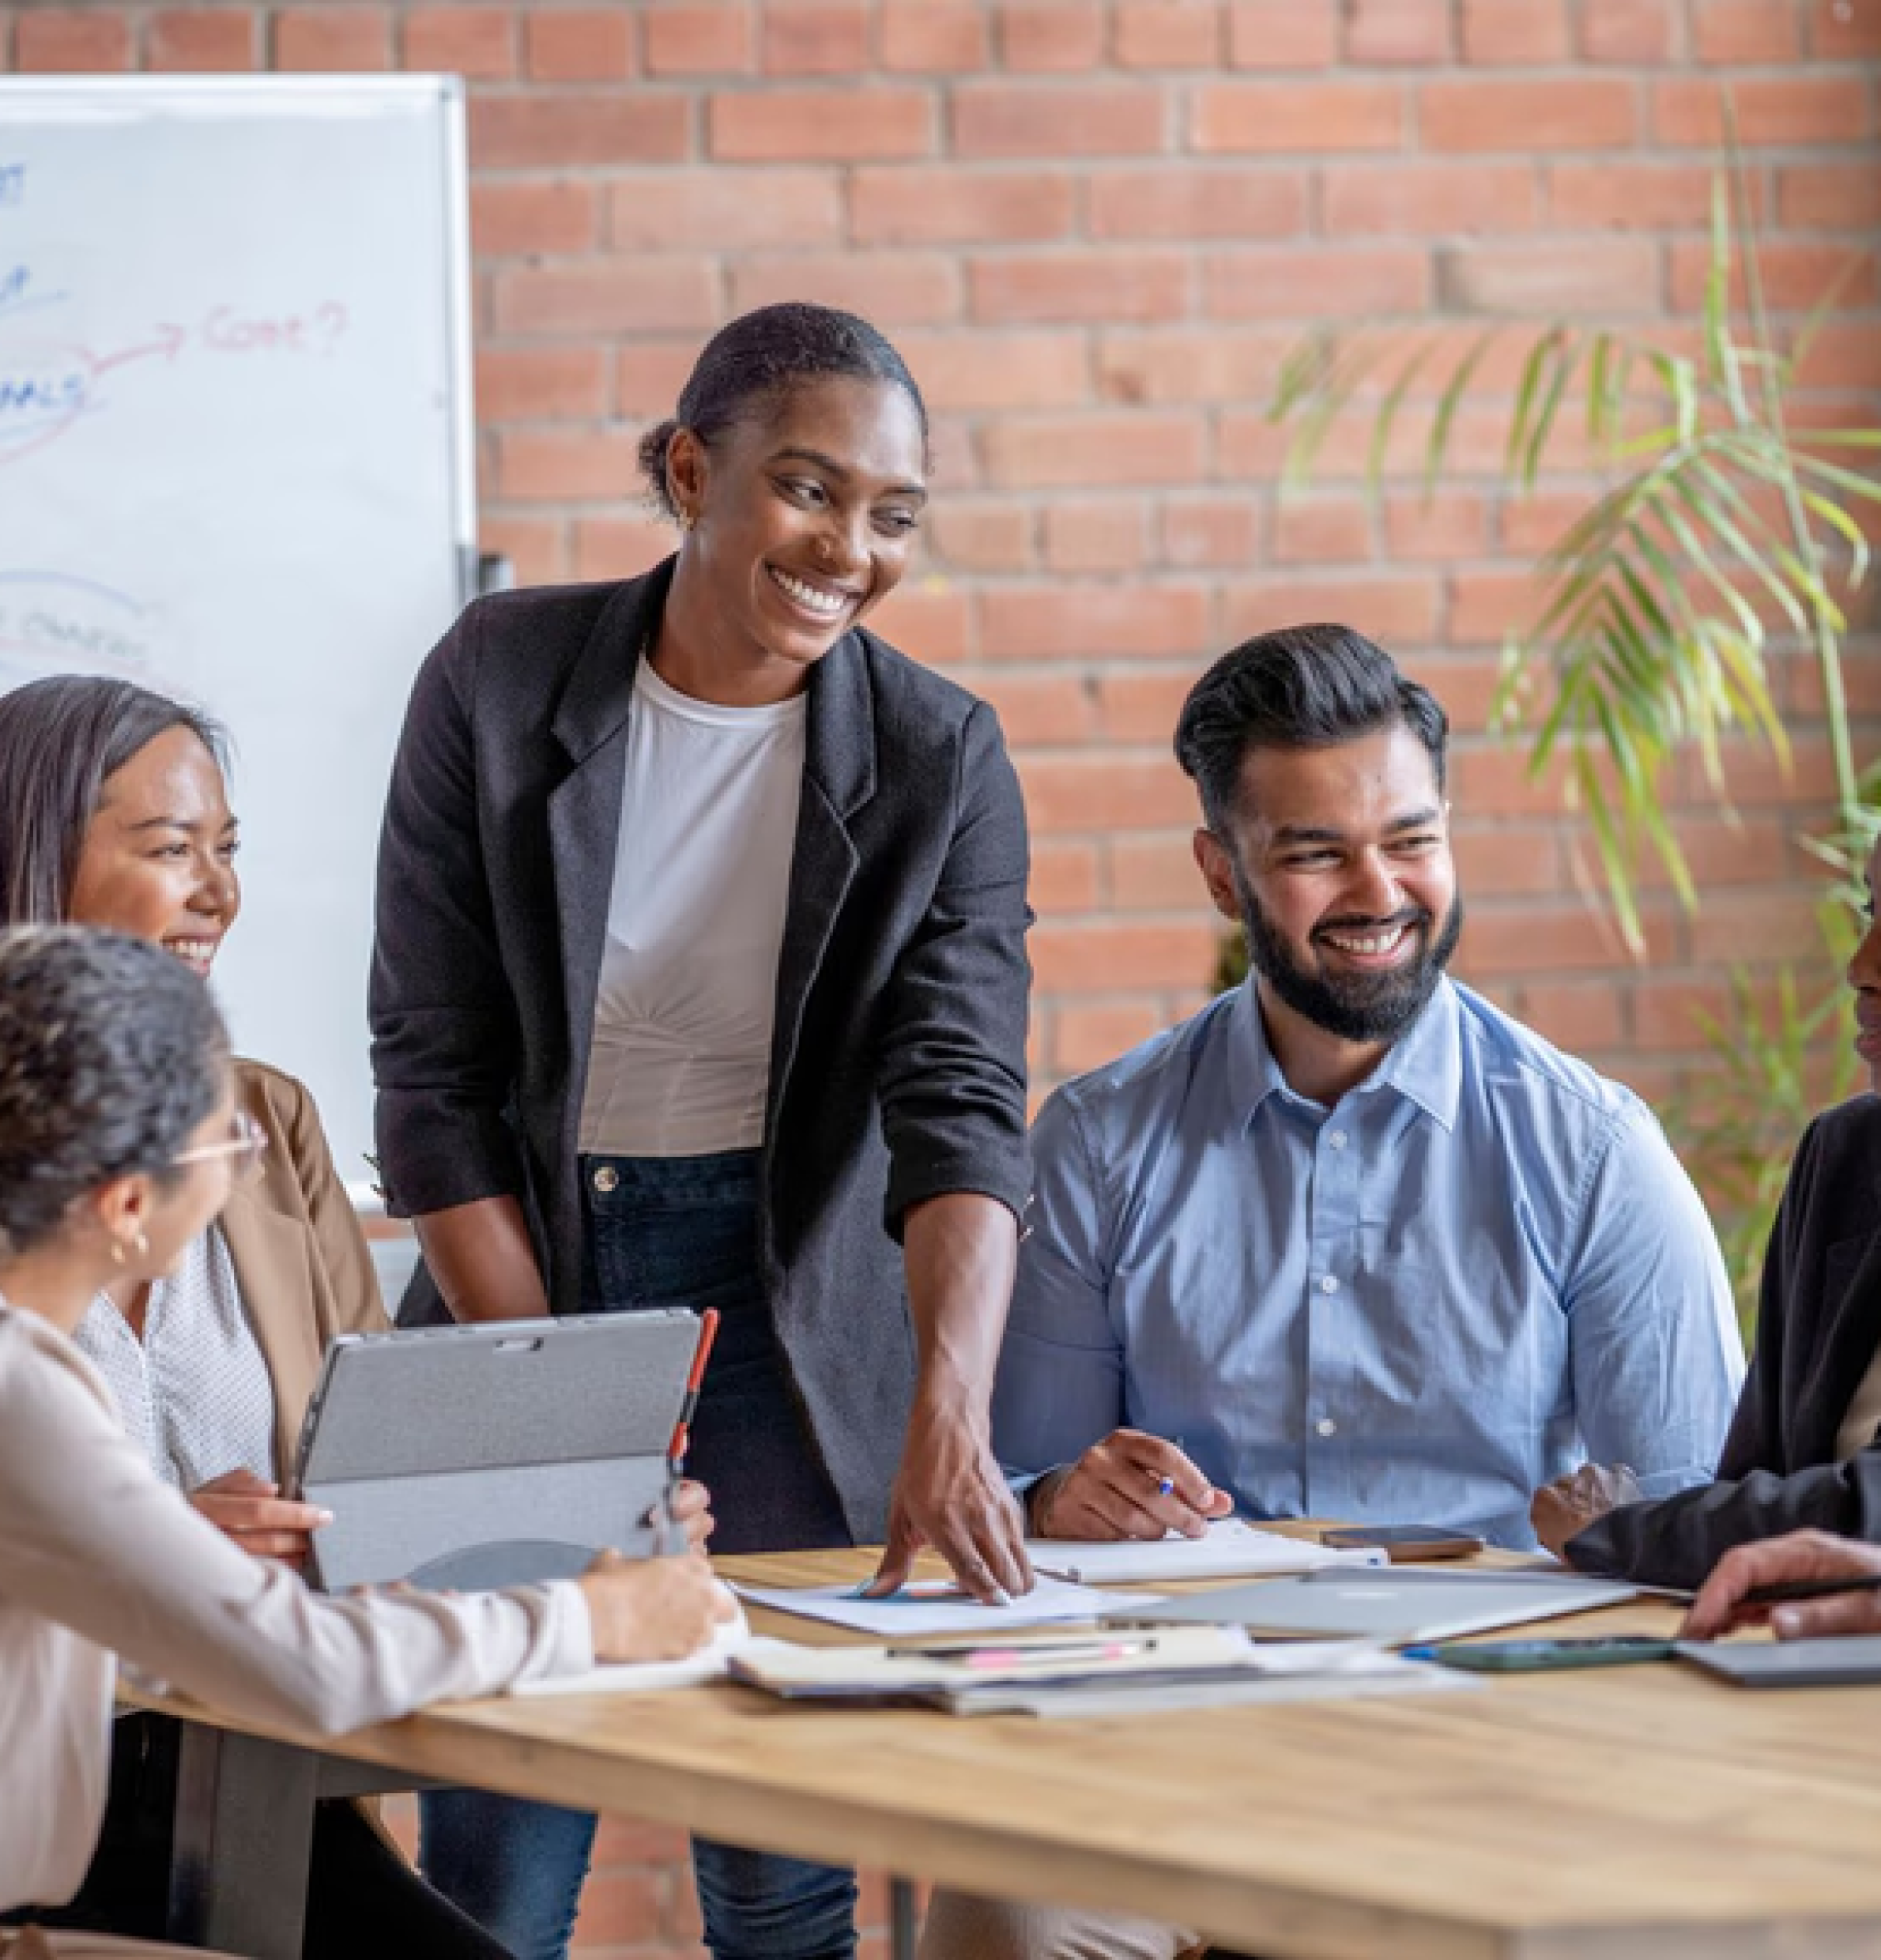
(445, 1037)
(950, 1066)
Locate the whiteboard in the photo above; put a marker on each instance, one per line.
(236, 465)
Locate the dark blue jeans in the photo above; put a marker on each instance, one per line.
(676, 1231)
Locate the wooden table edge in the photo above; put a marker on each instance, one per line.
(450, 1743)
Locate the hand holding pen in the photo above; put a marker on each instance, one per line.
(684, 1515)
(1131, 1485)
(1808, 1584)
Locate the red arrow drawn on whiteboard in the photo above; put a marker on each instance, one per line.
(168, 345)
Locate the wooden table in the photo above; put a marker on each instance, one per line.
(1612, 1815)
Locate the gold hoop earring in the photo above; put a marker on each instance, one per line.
(686, 521)
(117, 1251)
(140, 1246)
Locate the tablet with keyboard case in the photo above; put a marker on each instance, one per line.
(495, 1453)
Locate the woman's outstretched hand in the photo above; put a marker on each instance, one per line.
(949, 1495)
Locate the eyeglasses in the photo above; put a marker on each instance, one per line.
(246, 1144)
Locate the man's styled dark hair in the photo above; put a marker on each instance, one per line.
(753, 360)
(112, 1054)
(1303, 686)
(60, 738)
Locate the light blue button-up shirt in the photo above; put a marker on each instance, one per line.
(1480, 1266)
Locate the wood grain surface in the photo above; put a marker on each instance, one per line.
(1610, 1814)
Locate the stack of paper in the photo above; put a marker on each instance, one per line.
(1387, 1674)
(1086, 1673)
(1231, 1548)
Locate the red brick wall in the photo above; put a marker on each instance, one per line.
(1093, 226)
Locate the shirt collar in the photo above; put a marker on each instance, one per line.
(1426, 1067)
(1253, 1074)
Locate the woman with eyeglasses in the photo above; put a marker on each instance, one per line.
(118, 1127)
(115, 812)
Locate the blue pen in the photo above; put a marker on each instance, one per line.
(920, 1592)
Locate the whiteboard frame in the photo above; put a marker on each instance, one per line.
(448, 91)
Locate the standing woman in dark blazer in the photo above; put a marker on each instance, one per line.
(701, 979)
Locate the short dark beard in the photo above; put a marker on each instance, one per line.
(1368, 1007)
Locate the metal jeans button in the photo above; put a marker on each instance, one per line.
(606, 1177)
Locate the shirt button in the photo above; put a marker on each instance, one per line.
(1326, 1426)
(606, 1177)
(1328, 1284)
(1336, 1139)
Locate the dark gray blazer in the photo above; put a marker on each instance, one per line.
(898, 1066)
(1819, 1324)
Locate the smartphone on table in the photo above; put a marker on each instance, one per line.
(1536, 1657)
(1404, 1545)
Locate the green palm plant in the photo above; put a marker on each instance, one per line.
(1725, 528)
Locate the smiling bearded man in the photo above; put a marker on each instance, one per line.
(1359, 1006)
(1352, 1243)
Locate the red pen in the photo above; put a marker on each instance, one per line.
(708, 1332)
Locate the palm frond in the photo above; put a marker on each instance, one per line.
(1719, 530)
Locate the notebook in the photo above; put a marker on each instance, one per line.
(1231, 1548)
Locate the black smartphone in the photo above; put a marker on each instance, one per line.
(1534, 1656)
(1404, 1545)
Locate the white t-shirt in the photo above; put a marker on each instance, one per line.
(680, 1065)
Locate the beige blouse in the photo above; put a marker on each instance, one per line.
(99, 1557)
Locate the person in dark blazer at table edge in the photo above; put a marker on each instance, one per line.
(1804, 1450)
(700, 979)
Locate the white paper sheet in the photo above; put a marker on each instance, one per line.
(1408, 1677)
(937, 1607)
(649, 1677)
(1231, 1548)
